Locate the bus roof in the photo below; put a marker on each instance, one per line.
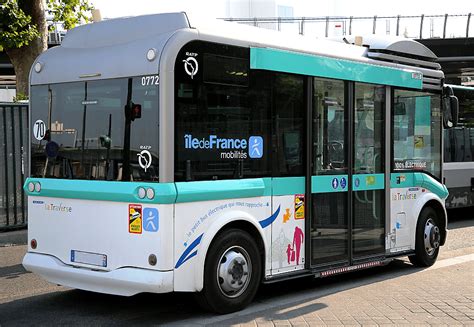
(102, 50)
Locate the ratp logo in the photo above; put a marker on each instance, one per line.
(191, 66)
(144, 159)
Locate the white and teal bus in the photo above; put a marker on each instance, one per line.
(169, 156)
(458, 163)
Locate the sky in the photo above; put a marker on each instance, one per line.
(216, 8)
(211, 9)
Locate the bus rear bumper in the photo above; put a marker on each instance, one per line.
(123, 281)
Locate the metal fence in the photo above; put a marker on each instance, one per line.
(13, 165)
(417, 26)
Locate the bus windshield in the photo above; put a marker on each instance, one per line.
(97, 130)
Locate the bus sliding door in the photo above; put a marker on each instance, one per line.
(329, 174)
(347, 173)
(368, 179)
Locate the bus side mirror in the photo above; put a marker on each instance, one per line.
(454, 103)
(450, 108)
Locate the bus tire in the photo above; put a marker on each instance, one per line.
(232, 272)
(427, 240)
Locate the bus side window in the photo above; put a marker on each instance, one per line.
(329, 127)
(222, 116)
(289, 125)
(417, 132)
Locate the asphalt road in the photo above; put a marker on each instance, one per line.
(26, 299)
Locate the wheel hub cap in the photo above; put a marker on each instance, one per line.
(233, 272)
(432, 236)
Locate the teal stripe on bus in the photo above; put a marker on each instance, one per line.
(329, 183)
(219, 190)
(165, 193)
(364, 182)
(315, 65)
(409, 179)
(402, 180)
(288, 185)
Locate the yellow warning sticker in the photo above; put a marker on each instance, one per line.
(299, 206)
(135, 218)
(370, 180)
(419, 142)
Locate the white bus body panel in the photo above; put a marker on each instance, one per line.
(288, 238)
(196, 225)
(406, 206)
(123, 281)
(99, 227)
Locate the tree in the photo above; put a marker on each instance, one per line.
(24, 30)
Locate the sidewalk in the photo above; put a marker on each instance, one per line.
(442, 295)
(398, 294)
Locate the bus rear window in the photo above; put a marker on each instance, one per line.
(96, 130)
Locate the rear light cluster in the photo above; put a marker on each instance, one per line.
(34, 187)
(148, 193)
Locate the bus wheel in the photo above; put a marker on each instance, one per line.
(232, 272)
(428, 238)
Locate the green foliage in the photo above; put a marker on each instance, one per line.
(69, 12)
(20, 97)
(16, 28)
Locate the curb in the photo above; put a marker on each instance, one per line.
(19, 237)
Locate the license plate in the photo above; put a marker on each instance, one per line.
(94, 259)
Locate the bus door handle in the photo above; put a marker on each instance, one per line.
(358, 197)
(374, 207)
(375, 160)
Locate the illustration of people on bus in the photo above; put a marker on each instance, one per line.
(290, 254)
(293, 250)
